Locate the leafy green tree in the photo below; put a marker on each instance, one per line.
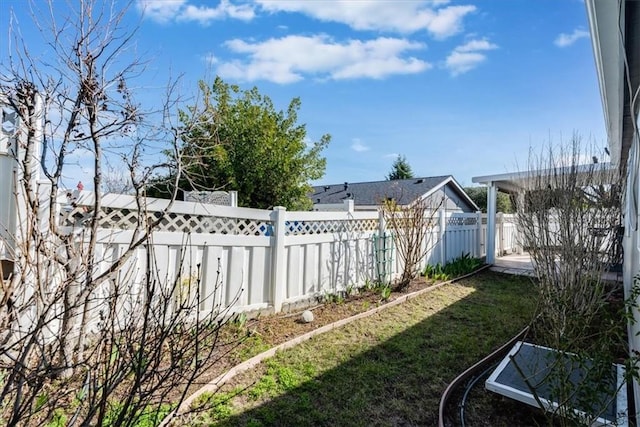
(400, 169)
(479, 196)
(236, 140)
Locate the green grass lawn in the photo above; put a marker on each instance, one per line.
(388, 369)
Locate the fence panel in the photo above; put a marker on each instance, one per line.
(326, 252)
(232, 249)
(461, 236)
(509, 239)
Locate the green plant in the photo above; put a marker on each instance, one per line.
(240, 321)
(376, 286)
(385, 293)
(238, 137)
(460, 266)
(432, 271)
(369, 285)
(350, 290)
(279, 378)
(264, 387)
(333, 298)
(254, 423)
(286, 378)
(401, 169)
(59, 419)
(251, 346)
(219, 404)
(149, 416)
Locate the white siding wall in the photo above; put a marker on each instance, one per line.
(631, 244)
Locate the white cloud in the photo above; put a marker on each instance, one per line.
(391, 156)
(181, 11)
(448, 21)
(474, 45)
(160, 10)
(564, 40)
(292, 58)
(404, 17)
(210, 58)
(468, 56)
(358, 146)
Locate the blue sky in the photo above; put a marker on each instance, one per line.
(458, 87)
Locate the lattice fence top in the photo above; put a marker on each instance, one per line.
(126, 219)
(460, 221)
(329, 226)
(210, 197)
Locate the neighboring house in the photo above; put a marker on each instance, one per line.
(368, 196)
(615, 35)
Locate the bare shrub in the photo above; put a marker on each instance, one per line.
(569, 221)
(90, 331)
(411, 226)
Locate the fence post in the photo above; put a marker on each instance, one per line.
(233, 199)
(381, 249)
(442, 237)
(519, 249)
(15, 168)
(513, 218)
(278, 266)
(500, 227)
(7, 190)
(478, 234)
(348, 205)
(45, 203)
(490, 241)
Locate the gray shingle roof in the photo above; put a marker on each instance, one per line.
(372, 193)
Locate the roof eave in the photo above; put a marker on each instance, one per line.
(608, 51)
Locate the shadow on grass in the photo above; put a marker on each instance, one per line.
(398, 380)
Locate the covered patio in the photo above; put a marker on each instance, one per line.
(517, 264)
(516, 184)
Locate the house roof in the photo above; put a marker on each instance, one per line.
(513, 182)
(403, 191)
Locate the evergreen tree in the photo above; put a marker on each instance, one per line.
(236, 140)
(400, 169)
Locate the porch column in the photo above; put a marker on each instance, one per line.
(492, 194)
(519, 203)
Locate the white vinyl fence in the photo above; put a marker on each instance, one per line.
(254, 259)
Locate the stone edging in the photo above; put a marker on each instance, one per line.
(219, 381)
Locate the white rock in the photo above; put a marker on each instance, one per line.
(307, 316)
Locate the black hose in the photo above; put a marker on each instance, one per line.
(468, 388)
(469, 372)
